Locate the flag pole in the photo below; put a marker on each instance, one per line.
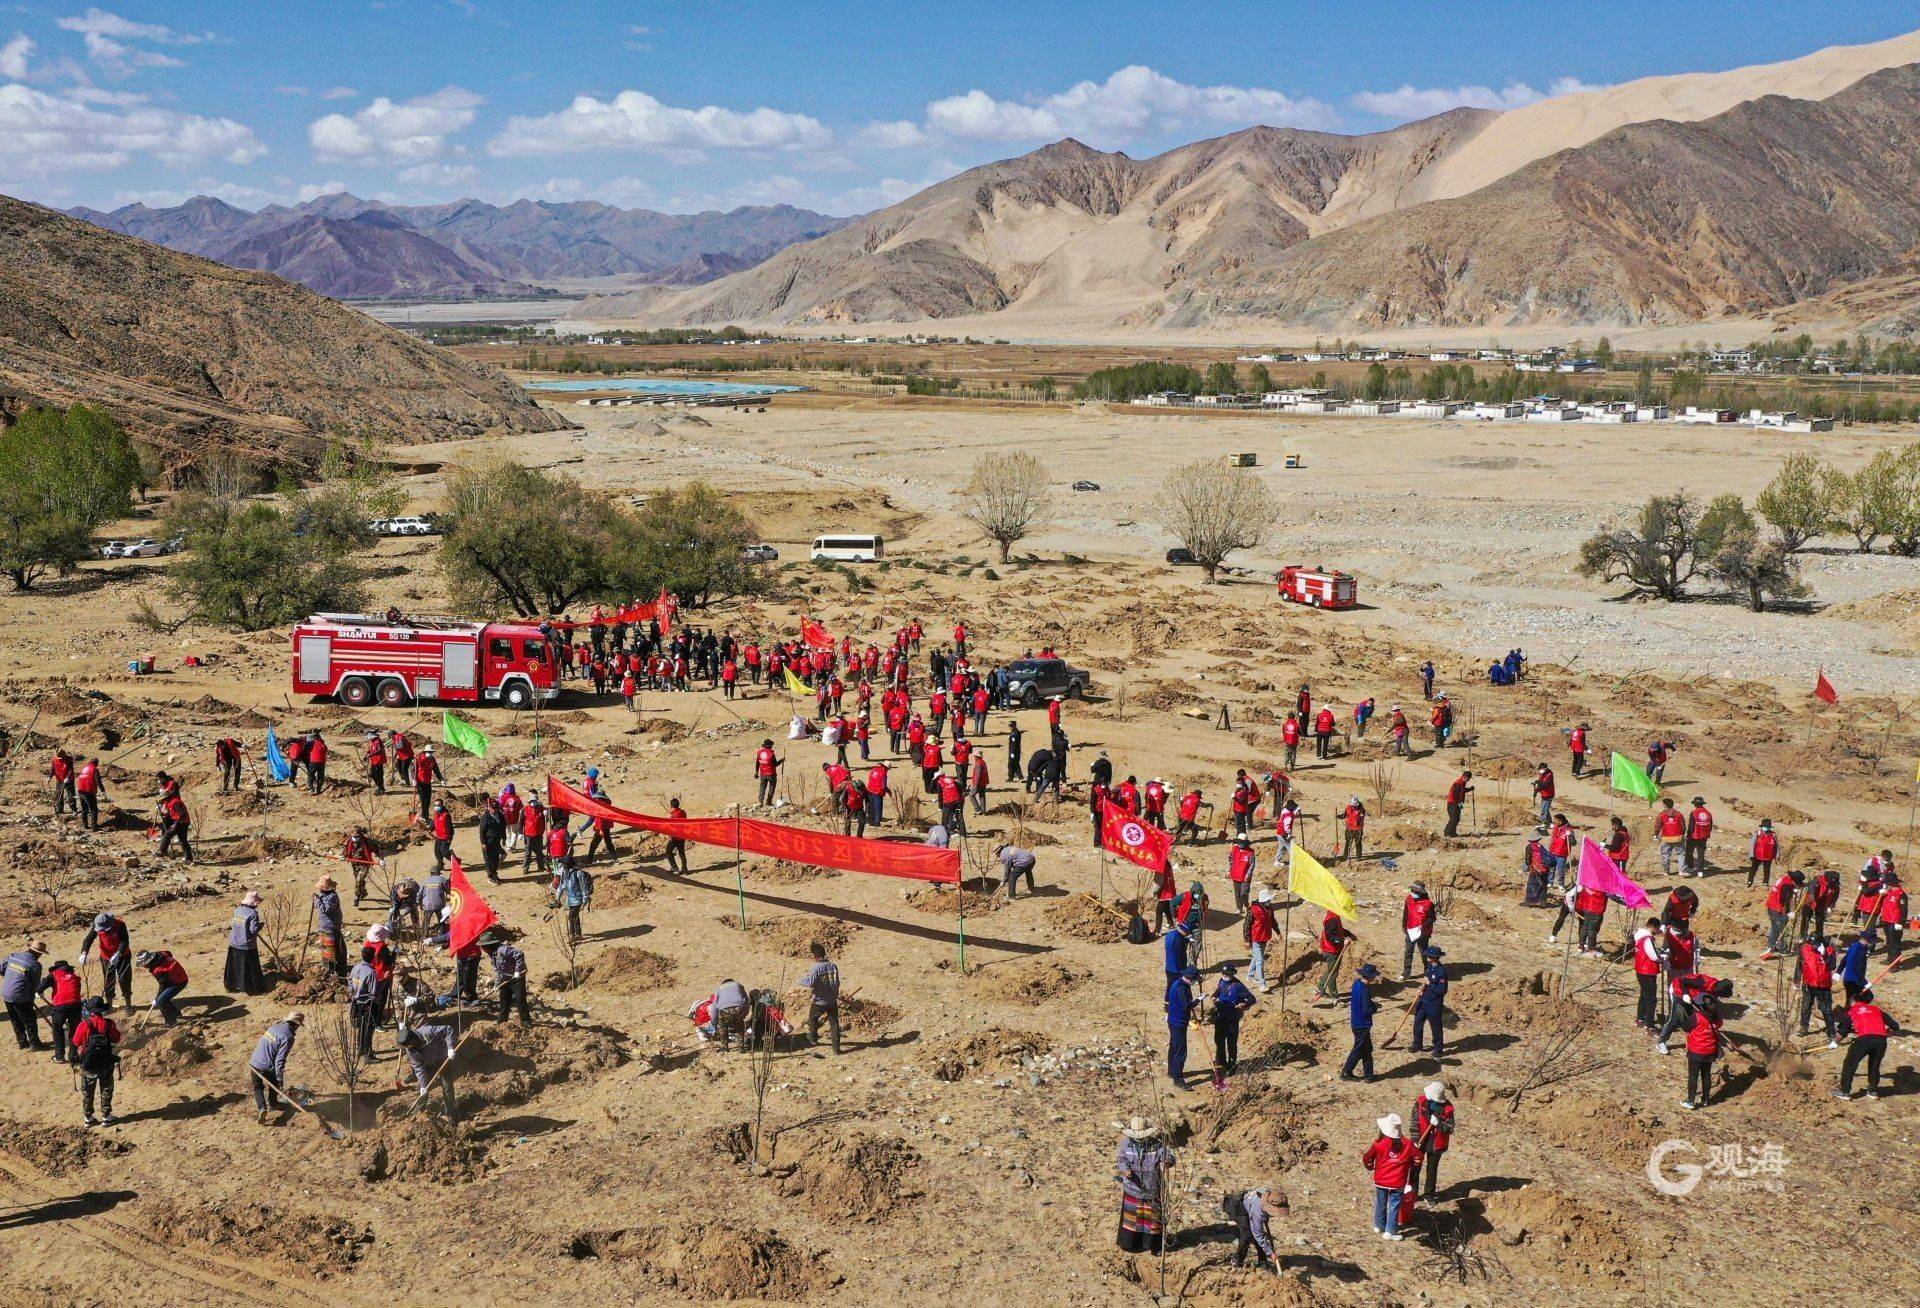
(1913, 804)
(739, 877)
(960, 906)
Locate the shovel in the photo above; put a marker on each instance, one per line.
(333, 1132)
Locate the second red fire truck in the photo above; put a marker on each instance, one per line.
(1322, 588)
(360, 659)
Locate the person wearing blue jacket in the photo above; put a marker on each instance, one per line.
(1179, 1018)
(1231, 1000)
(1853, 963)
(1430, 1009)
(268, 1067)
(1360, 1010)
(1175, 944)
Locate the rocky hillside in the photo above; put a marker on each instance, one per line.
(372, 256)
(1751, 209)
(194, 356)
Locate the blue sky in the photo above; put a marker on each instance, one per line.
(689, 104)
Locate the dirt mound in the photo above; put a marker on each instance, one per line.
(625, 970)
(1512, 1002)
(939, 900)
(794, 936)
(1469, 876)
(620, 890)
(1563, 1237)
(709, 1260)
(1791, 1088)
(866, 1016)
(318, 986)
(170, 1056)
(1262, 1120)
(1032, 982)
(1603, 1128)
(57, 1151)
(424, 1148)
(511, 1063)
(1085, 918)
(779, 872)
(859, 1179)
(1782, 814)
(664, 730)
(954, 1059)
(319, 1246)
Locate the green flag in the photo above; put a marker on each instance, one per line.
(1632, 778)
(462, 735)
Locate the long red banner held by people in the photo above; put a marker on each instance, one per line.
(885, 858)
(1124, 835)
(471, 914)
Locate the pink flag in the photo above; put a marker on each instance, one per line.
(1598, 872)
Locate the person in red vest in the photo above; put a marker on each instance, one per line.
(1394, 1161)
(1188, 814)
(1544, 790)
(1577, 744)
(93, 1049)
(296, 758)
(1354, 820)
(115, 951)
(63, 990)
(962, 756)
(937, 714)
(1823, 892)
(1401, 733)
(533, 836)
(1689, 990)
(1703, 1047)
(176, 825)
(1560, 851)
(426, 771)
(1670, 829)
(1457, 801)
(1682, 948)
(751, 656)
(930, 764)
(1893, 913)
(1432, 1132)
(402, 751)
(1163, 890)
(1418, 917)
(1245, 803)
(1260, 932)
(1323, 727)
(1766, 848)
(1779, 906)
(982, 699)
(1240, 871)
(766, 772)
(1648, 961)
(1155, 800)
(1284, 823)
(1620, 845)
(1591, 907)
(1680, 907)
(1814, 970)
(1873, 873)
(170, 975)
(376, 763)
(1053, 711)
(876, 794)
(227, 753)
(61, 771)
(1868, 1025)
(1127, 795)
(1290, 737)
(729, 678)
(316, 762)
(978, 781)
(1699, 831)
(1333, 947)
(953, 808)
(89, 789)
(442, 828)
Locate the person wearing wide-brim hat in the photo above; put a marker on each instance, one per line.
(1141, 1169)
(243, 948)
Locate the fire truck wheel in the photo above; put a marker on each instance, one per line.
(354, 692)
(1314, 600)
(393, 693)
(516, 695)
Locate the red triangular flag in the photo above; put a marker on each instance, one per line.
(471, 914)
(1823, 690)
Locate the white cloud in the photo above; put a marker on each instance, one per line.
(440, 175)
(384, 130)
(338, 93)
(1134, 102)
(119, 58)
(44, 132)
(110, 41)
(901, 135)
(634, 120)
(1411, 102)
(13, 56)
(244, 197)
(314, 190)
(298, 92)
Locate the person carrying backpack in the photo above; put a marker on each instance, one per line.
(93, 1043)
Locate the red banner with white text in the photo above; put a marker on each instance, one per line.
(885, 858)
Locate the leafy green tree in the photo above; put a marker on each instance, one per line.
(690, 540)
(1870, 503)
(62, 475)
(1733, 550)
(1375, 387)
(1125, 382)
(1047, 387)
(536, 542)
(1603, 353)
(1655, 555)
(1221, 379)
(1794, 502)
(1259, 380)
(246, 567)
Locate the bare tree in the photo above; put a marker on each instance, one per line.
(760, 1043)
(337, 1045)
(569, 947)
(1557, 1056)
(1006, 498)
(1213, 510)
(280, 927)
(1656, 555)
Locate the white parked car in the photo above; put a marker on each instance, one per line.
(112, 549)
(408, 527)
(144, 548)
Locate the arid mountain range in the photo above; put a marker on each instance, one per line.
(1670, 200)
(193, 356)
(349, 248)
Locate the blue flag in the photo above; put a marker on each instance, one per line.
(277, 759)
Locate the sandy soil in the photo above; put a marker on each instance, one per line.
(962, 1144)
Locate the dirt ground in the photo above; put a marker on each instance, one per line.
(963, 1142)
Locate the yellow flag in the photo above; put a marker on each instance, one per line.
(1916, 772)
(1310, 880)
(795, 686)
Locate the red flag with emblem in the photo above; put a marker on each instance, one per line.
(471, 914)
(1124, 835)
(1823, 689)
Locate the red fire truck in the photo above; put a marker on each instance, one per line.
(361, 659)
(1323, 588)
